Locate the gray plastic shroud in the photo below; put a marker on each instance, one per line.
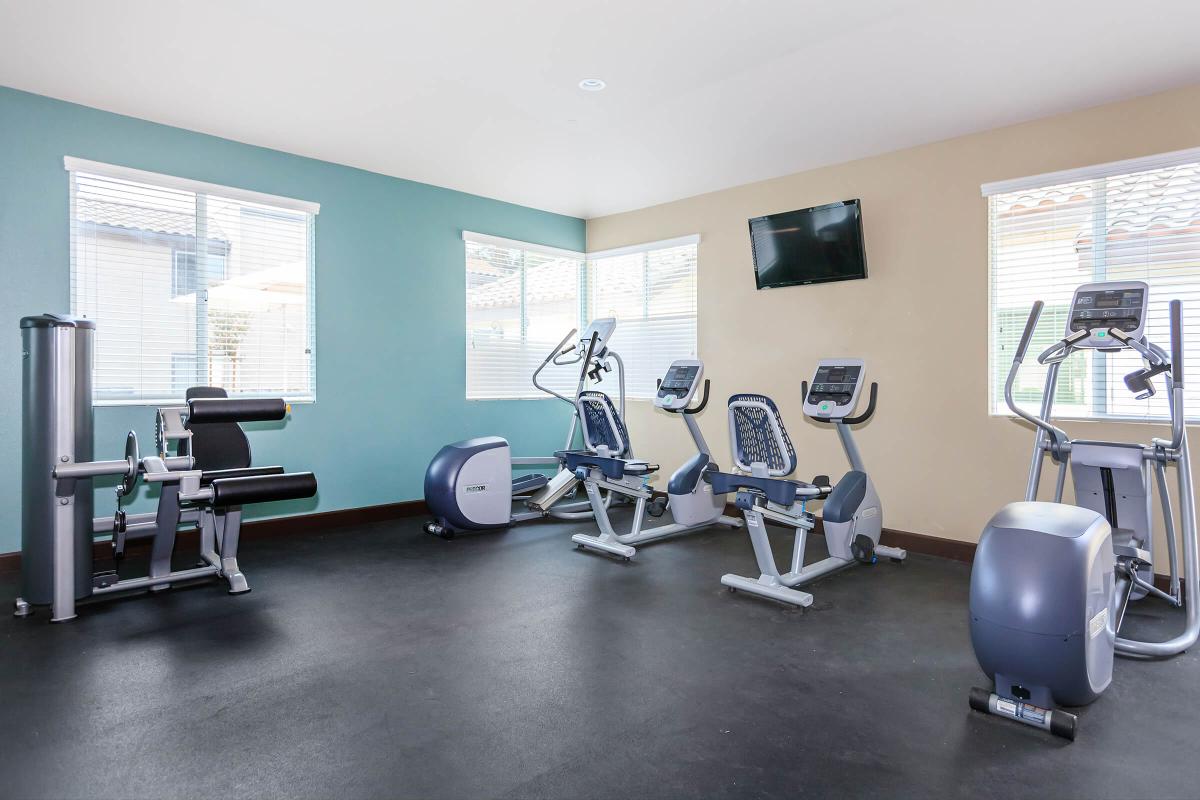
(468, 484)
(1041, 588)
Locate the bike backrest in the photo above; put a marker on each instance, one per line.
(757, 435)
(602, 424)
(216, 445)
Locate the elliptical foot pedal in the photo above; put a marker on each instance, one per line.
(657, 507)
(104, 579)
(863, 549)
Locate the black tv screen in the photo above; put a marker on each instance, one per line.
(813, 245)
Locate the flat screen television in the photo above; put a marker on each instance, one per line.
(812, 245)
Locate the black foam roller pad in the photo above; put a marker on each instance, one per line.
(247, 472)
(263, 489)
(205, 410)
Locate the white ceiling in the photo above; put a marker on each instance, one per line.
(481, 95)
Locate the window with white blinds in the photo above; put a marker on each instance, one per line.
(651, 290)
(191, 284)
(522, 299)
(1133, 220)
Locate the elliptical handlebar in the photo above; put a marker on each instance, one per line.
(559, 350)
(1027, 335)
(1178, 411)
(1058, 435)
(1177, 344)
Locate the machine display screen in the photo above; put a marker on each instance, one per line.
(833, 381)
(679, 379)
(1108, 308)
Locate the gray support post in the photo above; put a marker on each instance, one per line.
(756, 526)
(63, 447)
(697, 436)
(848, 445)
(1160, 473)
(229, 526)
(1039, 453)
(167, 524)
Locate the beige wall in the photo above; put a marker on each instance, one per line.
(942, 464)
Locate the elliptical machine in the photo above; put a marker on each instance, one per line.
(852, 517)
(469, 485)
(1051, 581)
(690, 497)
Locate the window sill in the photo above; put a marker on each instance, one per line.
(1162, 421)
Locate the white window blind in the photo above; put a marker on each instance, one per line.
(651, 290)
(191, 284)
(521, 300)
(1136, 220)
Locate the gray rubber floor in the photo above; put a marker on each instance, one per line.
(381, 662)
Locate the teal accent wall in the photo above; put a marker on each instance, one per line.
(390, 293)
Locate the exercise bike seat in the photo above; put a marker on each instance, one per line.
(781, 491)
(611, 467)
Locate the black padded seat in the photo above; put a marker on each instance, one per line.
(217, 445)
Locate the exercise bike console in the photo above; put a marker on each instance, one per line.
(835, 388)
(678, 386)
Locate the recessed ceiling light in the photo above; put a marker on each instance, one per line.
(592, 84)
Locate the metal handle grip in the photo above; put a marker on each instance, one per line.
(591, 347)
(1177, 342)
(866, 415)
(703, 401)
(560, 349)
(90, 469)
(1027, 335)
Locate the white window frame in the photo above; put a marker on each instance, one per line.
(75, 165)
(584, 312)
(1099, 174)
(529, 392)
(637, 392)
